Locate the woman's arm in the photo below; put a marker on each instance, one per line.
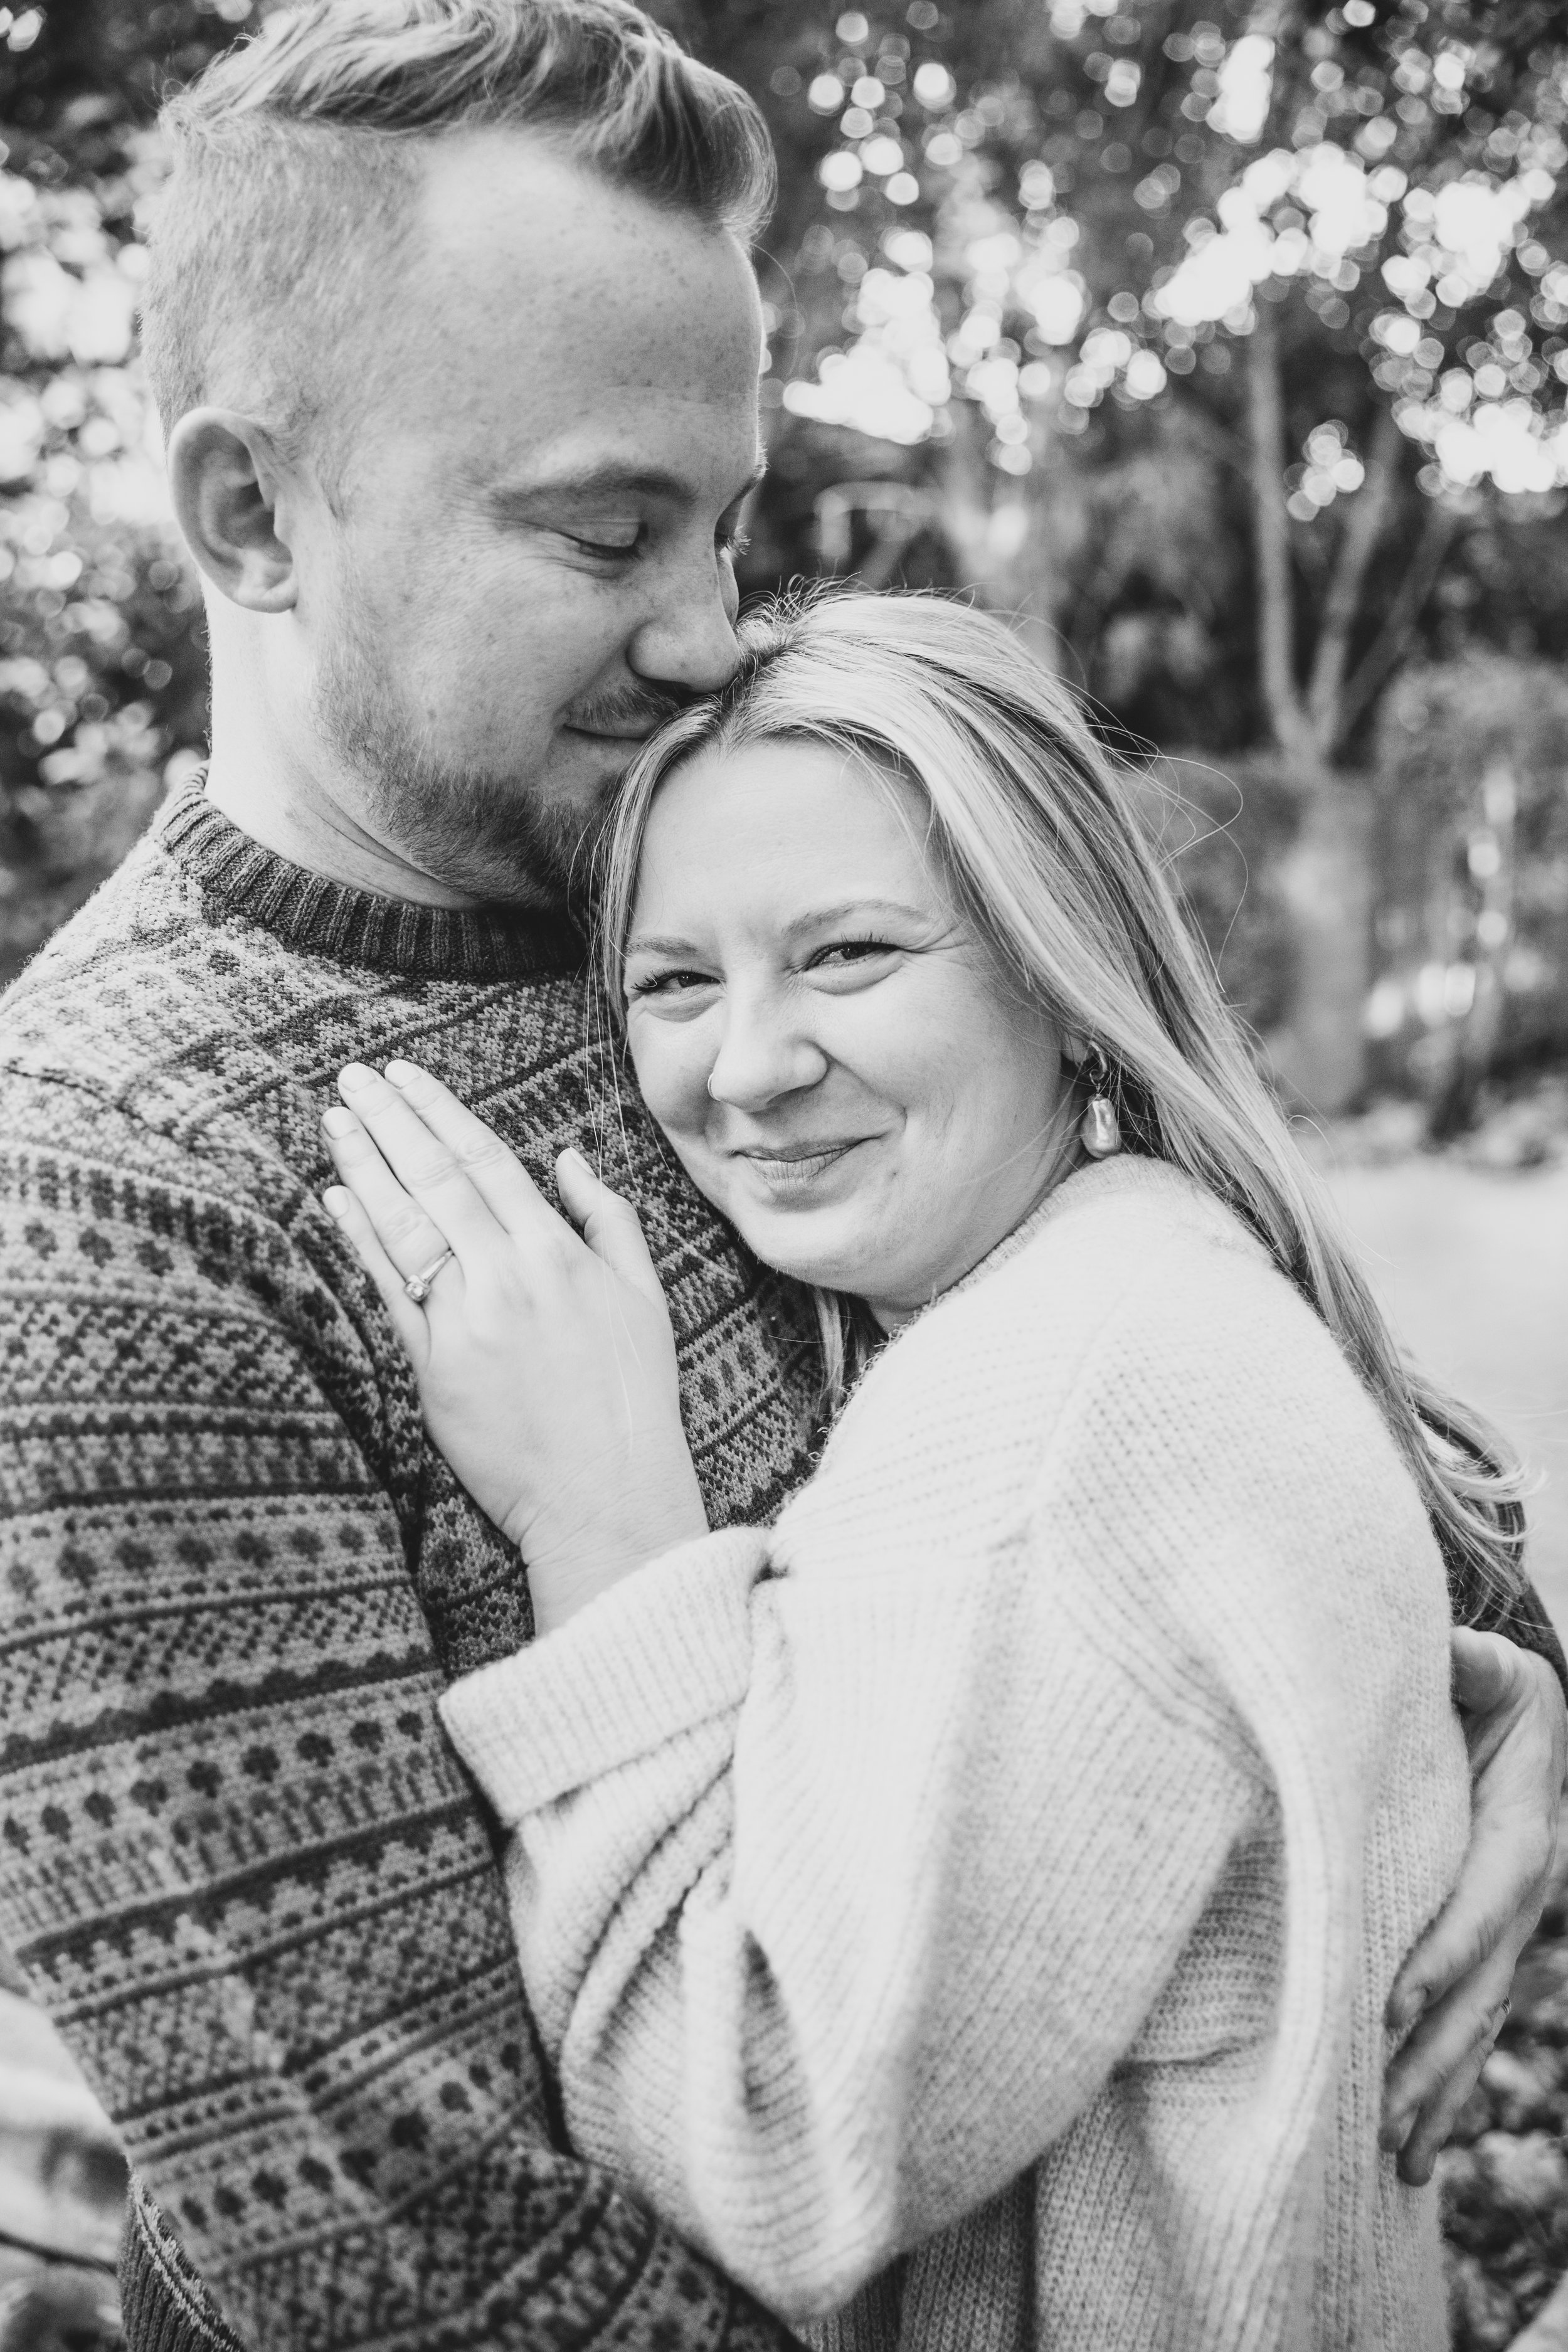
(497, 1414)
(838, 1900)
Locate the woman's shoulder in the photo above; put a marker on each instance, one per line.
(1139, 1211)
(1134, 1303)
(1130, 1245)
(1131, 1396)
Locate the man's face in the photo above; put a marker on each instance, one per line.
(528, 562)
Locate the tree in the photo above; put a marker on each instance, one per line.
(1223, 351)
(1343, 341)
(102, 675)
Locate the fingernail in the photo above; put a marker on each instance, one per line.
(339, 1121)
(574, 1156)
(355, 1074)
(401, 1072)
(336, 1203)
(1406, 2006)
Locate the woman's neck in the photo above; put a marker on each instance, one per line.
(1066, 1159)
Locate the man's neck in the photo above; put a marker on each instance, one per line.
(304, 824)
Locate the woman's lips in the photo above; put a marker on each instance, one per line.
(795, 1166)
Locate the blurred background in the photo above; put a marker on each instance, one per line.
(1225, 348)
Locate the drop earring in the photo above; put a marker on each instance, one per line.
(1100, 1133)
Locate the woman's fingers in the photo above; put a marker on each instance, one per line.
(407, 1321)
(421, 1163)
(610, 1225)
(403, 1228)
(496, 1172)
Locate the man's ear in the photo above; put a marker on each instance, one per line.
(225, 479)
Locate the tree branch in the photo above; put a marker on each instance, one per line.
(1399, 622)
(1358, 542)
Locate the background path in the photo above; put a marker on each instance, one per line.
(1473, 1267)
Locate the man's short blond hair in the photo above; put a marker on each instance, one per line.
(295, 159)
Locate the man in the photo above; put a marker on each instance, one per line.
(455, 341)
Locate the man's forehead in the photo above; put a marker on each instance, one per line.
(508, 217)
(545, 318)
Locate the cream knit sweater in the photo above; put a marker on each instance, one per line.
(1008, 1856)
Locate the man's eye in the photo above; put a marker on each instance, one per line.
(609, 546)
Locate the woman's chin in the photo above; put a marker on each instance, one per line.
(809, 1248)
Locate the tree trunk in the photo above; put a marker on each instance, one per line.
(1001, 535)
(1325, 880)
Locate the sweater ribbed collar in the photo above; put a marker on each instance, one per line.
(306, 911)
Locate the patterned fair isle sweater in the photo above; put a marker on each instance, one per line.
(238, 1861)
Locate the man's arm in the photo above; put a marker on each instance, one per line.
(237, 1861)
(1452, 1993)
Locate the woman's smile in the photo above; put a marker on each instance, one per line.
(820, 1035)
(797, 1168)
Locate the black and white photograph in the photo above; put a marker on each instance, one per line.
(783, 1176)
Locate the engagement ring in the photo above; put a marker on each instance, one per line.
(418, 1284)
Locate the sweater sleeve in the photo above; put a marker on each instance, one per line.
(837, 1898)
(240, 1865)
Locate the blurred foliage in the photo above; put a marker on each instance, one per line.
(1017, 281)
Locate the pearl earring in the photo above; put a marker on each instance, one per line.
(1100, 1132)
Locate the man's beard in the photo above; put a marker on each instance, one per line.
(494, 837)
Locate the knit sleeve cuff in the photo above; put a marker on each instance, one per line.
(662, 1651)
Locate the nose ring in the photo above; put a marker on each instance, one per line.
(712, 1096)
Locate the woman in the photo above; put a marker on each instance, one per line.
(1004, 1861)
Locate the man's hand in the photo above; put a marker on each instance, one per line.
(1456, 1980)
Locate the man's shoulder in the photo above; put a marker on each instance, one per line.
(122, 989)
(161, 1011)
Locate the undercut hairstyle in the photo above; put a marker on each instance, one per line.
(296, 164)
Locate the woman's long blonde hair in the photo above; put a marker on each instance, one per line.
(1041, 841)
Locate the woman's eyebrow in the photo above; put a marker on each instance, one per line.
(649, 945)
(844, 909)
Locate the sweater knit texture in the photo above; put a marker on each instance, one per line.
(1004, 1863)
(238, 1861)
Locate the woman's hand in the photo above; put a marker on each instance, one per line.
(545, 1362)
(1456, 1980)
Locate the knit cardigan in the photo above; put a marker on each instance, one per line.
(1004, 1863)
(238, 1861)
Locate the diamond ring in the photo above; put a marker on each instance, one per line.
(418, 1284)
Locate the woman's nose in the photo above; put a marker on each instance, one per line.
(764, 1054)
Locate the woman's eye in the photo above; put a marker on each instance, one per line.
(667, 983)
(734, 542)
(843, 954)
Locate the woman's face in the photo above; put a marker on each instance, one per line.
(820, 1037)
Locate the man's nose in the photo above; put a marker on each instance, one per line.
(688, 641)
(767, 1052)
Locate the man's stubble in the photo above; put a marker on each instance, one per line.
(498, 837)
